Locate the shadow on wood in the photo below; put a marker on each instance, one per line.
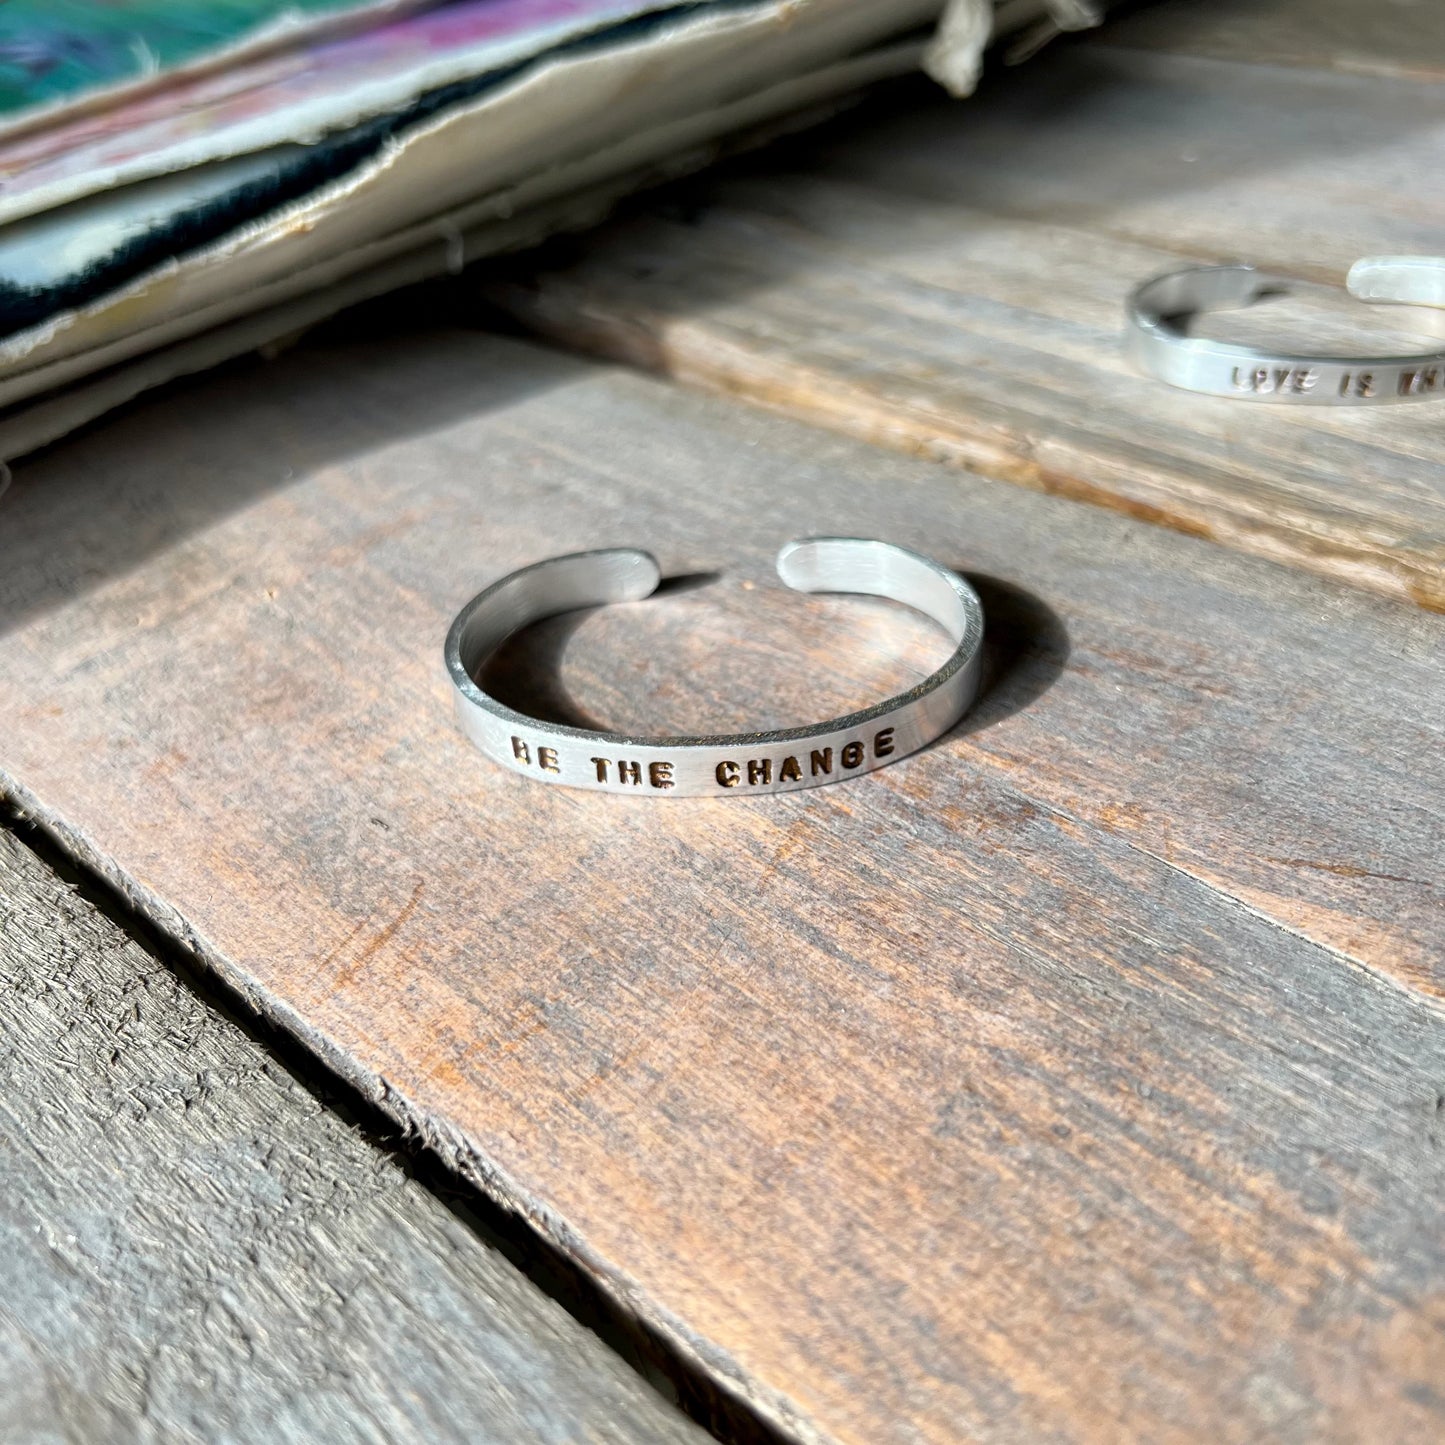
(65, 535)
(1026, 647)
(525, 673)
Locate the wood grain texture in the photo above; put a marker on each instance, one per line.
(1392, 39)
(192, 1247)
(1072, 1080)
(949, 279)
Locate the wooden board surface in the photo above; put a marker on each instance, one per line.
(949, 279)
(1392, 39)
(1077, 1079)
(193, 1247)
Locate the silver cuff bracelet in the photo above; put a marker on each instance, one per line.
(1159, 347)
(729, 765)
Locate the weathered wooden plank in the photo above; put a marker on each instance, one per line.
(1055, 1084)
(192, 1247)
(1393, 39)
(949, 279)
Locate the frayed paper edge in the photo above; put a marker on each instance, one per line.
(954, 57)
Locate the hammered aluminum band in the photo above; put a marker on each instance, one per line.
(1158, 345)
(728, 765)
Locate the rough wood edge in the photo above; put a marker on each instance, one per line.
(707, 1385)
(123, 1039)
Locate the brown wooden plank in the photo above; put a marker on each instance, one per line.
(1055, 1084)
(192, 1247)
(949, 279)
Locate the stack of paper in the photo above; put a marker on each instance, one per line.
(180, 182)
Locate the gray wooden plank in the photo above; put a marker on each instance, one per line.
(192, 1247)
(1074, 1079)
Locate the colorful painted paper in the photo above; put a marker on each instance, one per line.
(56, 51)
(301, 95)
(593, 97)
